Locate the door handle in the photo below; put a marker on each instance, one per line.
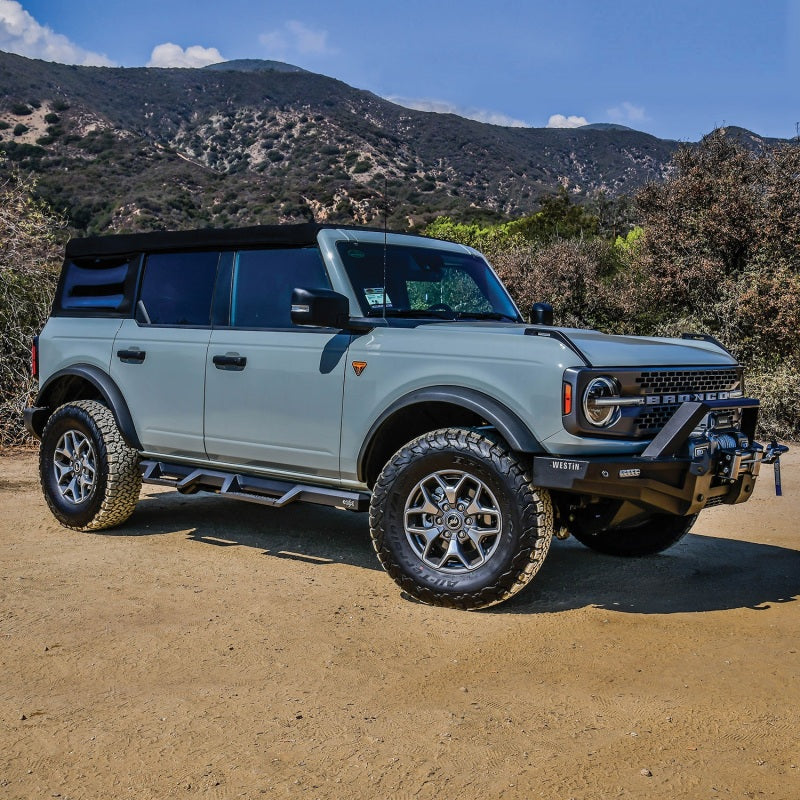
(132, 356)
(230, 361)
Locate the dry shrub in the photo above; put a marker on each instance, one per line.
(778, 387)
(721, 254)
(31, 240)
(580, 278)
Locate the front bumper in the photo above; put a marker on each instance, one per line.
(680, 472)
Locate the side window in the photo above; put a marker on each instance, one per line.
(263, 281)
(177, 289)
(102, 284)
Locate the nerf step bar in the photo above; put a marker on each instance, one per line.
(265, 491)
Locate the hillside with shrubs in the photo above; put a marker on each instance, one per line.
(714, 248)
(249, 142)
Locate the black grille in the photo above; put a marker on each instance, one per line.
(679, 381)
(655, 418)
(686, 381)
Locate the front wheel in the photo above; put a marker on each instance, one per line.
(90, 477)
(456, 522)
(653, 535)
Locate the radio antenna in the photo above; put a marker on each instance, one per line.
(385, 246)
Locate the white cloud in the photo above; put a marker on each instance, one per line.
(20, 33)
(444, 107)
(296, 38)
(627, 112)
(560, 121)
(173, 55)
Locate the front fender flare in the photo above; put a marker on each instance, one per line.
(506, 422)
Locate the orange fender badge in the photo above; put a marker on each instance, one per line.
(359, 367)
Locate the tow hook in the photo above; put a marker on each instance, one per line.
(772, 455)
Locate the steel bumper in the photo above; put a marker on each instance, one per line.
(680, 472)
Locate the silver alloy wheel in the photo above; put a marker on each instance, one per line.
(75, 466)
(453, 521)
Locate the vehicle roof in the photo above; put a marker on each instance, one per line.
(202, 239)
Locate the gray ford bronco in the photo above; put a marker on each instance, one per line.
(381, 372)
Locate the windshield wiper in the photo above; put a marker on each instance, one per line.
(441, 314)
(485, 315)
(412, 312)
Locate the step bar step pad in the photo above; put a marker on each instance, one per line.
(265, 491)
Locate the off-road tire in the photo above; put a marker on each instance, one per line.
(656, 534)
(524, 513)
(113, 490)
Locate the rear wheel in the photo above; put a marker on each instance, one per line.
(90, 477)
(455, 521)
(655, 534)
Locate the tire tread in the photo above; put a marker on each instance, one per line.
(535, 506)
(123, 480)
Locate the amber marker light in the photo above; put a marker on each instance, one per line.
(567, 400)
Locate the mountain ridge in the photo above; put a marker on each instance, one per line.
(246, 143)
(253, 65)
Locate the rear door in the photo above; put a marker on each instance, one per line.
(158, 358)
(274, 390)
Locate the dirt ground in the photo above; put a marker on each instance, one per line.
(213, 648)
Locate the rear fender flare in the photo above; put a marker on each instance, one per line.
(106, 388)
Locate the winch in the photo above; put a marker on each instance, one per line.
(728, 455)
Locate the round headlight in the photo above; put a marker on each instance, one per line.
(599, 407)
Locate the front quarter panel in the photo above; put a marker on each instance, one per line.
(523, 373)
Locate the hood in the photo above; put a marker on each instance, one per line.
(606, 350)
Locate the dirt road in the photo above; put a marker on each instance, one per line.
(211, 648)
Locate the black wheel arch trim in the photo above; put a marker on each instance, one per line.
(37, 416)
(506, 422)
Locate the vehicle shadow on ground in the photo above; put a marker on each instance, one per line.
(303, 532)
(701, 573)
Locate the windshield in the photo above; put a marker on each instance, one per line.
(424, 282)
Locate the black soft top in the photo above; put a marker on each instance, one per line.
(201, 239)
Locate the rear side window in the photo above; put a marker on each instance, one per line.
(177, 289)
(98, 285)
(263, 281)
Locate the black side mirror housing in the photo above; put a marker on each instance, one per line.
(542, 314)
(322, 308)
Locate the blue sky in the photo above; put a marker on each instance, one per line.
(673, 68)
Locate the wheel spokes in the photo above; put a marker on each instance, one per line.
(453, 551)
(452, 521)
(75, 467)
(427, 507)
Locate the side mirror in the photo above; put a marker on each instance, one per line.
(321, 308)
(542, 314)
